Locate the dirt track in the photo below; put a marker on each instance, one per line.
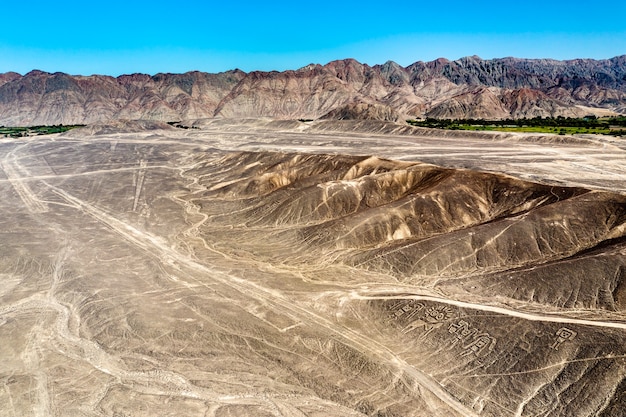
(147, 276)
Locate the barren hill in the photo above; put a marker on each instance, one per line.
(286, 268)
(466, 88)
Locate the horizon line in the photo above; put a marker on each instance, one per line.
(312, 64)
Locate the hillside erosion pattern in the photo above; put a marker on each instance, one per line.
(425, 224)
(468, 88)
(277, 269)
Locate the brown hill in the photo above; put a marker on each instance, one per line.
(9, 76)
(363, 111)
(526, 102)
(468, 87)
(479, 103)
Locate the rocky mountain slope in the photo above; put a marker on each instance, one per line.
(469, 87)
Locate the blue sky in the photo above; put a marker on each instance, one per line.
(120, 37)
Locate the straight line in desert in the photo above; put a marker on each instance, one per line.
(141, 175)
(164, 253)
(494, 309)
(78, 174)
(30, 200)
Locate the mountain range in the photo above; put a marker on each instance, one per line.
(469, 87)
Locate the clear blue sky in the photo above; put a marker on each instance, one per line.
(119, 37)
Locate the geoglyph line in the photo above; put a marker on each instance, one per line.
(166, 254)
(32, 203)
(494, 309)
(141, 174)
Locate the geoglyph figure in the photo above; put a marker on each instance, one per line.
(564, 334)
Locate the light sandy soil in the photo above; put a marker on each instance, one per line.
(259, 269)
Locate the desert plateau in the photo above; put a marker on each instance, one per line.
(273, 267)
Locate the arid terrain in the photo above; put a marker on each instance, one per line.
(329, 268)
(468, 87)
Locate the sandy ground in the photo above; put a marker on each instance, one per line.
(130, 288)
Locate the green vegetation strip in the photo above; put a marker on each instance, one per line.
(614, 126)
(17, 132)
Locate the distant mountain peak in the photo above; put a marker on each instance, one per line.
(467, 87)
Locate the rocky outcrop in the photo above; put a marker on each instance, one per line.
(469, 87)
(9, 76)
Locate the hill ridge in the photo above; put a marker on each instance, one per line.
(469, 87)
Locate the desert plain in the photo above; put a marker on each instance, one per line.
(286, 268)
